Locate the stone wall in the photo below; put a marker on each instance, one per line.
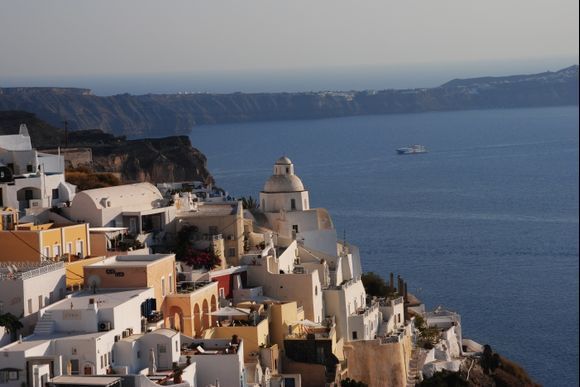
(378, 364)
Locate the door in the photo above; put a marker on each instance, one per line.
(80, 249)
(163, 357)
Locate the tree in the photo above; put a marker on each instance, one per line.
(11, 323)
(249, 203)
(348, 382)
(375, 285)
(199, 259)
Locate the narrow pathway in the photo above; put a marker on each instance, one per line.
(413, 370)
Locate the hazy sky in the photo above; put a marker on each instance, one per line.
(78, 37)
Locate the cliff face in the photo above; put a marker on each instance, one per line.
(154, 115)
(154, 160)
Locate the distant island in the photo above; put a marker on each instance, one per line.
(154, 115)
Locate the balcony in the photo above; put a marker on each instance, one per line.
(186, 287)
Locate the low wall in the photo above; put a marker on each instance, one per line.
(378, 364)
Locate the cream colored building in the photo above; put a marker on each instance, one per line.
(138, 207)
(274, 269)
(216, 222)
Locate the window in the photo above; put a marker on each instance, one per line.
(170, 283)
(295, 228)
(7, 375)
(56, 251)
(80, 249)
(232, 252)
(102, 361)
(222, 293)
(316, 290)
(46, 253)
(29, 168)
(29, 305)
(163, 286)
(69, 248)
(55, 193)
(74, 366)
(292, 204)
(40, 299)
(354, 335)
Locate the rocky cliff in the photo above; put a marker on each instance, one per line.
(165, 114)
(154, 160)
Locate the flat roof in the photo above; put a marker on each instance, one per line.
(130, 260)
(86, 380)
(104, 298)
(211, 209)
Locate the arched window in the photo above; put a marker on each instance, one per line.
(292, 204)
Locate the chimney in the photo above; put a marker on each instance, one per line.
(392, 283)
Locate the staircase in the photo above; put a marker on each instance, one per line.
(45, 326)
(413, 368)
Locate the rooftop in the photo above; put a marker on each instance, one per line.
(103, 298)
(211, 209)
(25, 270)
(131, 260)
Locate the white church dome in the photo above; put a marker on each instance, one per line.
(283, 183)
(283, 161)
(283, 179)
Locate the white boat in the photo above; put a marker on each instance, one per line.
(411, 150)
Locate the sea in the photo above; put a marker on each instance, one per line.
(484, 224)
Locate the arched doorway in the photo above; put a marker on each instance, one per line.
(197, 320)
(213, 309)
(176, 318)
(206, 315)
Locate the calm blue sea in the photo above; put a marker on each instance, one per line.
(485, 224)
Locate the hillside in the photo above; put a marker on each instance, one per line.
(154, 115)
(154, 160)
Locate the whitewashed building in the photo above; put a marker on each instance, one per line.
(31, 179)
(75, 336)
(138, 207)
(26, 288)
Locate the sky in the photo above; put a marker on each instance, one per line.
(111, 38)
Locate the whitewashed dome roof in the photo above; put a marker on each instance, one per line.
(283, 179)
(283, 183)
(283, 161)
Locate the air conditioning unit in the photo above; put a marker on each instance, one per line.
(104, 326)
(117, 338)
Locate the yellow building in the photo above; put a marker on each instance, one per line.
(189, 309)
(254, 336)
(38, 243)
